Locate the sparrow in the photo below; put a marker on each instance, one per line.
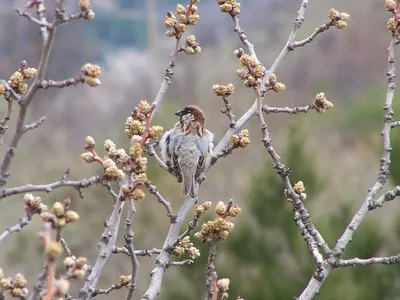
(187, 147)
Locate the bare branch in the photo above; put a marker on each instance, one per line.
(395, 124)
(211, 282)
(35, 124)
(153, 190)
(312, 246)
(66, 248)
(108, 290)
(314, 285)
(388, 196)
(228, 112)
(129, 246)
(72, 17)
(107, 243)
(7, 117)
(168, 75)
(48, 35)
(48, 188)
(308, 40)
(390, 260)
(16, 228)
(31, 18)
(182, 263)
(39, 284)
(152, 152)
(287, 110)
(146, 252)
(45, 84)
(164, 257)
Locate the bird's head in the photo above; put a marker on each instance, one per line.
(191, 113)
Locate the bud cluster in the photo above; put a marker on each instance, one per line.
(185, 246)
(15, 286)
(321, 103)
(223, 284)
(60, 215)
(255, 71)
(299, 189)
(223, 90)
(241, 139)
(16, 81)
(124, 280)
(183, 17)
(274, 84)
(229, 6)
(219, 229)
(339, 19)
(33, 205)
(393, 23)
(91, 73)
(76, 267)
(138, 130)
(86, 10)
(191, 47)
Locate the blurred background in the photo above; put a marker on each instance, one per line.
(335, 154)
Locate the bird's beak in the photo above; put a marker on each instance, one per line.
(179, 113)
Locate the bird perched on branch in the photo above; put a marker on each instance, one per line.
(187, 147)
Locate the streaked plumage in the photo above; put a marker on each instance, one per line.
(188, 147)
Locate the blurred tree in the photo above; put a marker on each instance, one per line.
(266, 257)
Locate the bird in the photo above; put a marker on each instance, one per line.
(187, 148)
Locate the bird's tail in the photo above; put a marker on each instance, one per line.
(188, 171)
(188, 186)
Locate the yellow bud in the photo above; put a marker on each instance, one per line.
(58, 209)
(72, 216)
(54, 249)
(138, 194)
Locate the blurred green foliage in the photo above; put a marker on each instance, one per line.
(266, 257)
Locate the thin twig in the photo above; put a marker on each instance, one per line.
(108, 290)
(228, 112)
(211, 281)
(67, 249)
(168, 75)
(152, 152)
(144, 252)
(50, 263)
(390, 260)
(48, 188)
(309, 39)
(31, 18)
(153, 190)
(388, 196)
(129, 245)
(16, 228)
(45, 84)
(287, 110)
(39, 284)
(35, 124)
(181, 263)
(7, 117)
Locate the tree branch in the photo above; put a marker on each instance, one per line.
(391, 260)
(48, 188)
(16, 228)
(129, 246)
(314, 285)
(153, 190)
